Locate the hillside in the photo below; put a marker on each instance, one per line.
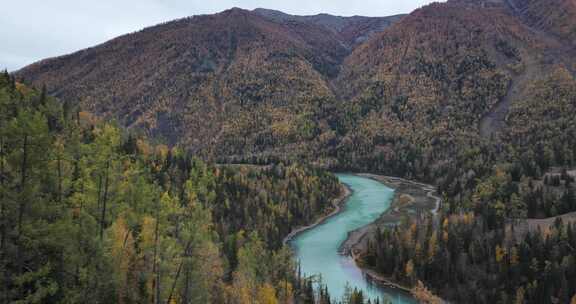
(260, 85)
(441, 79)
(90, 215)
(350, 30)
(554, 17)
(474, 96)
(185, 79)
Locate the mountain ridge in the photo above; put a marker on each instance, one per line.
(213, 55)
(354, 29)
(476, 97)
(264, 84)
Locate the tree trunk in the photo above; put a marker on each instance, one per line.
(155, 269)
(184, 256)
(3, 234)
(186, 298)
(104, 201)
(99, 191)
(22, 203)
(23, 180)
(59, 180)
(174, 283)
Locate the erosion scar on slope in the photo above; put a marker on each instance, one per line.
(494, 120)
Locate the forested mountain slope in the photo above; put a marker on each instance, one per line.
(442, 79)
(89, 214)
(262, 85)
(351, 30)
(554, 17)
(241, 81)
(476, 96)
(479, 97)
(190, 79)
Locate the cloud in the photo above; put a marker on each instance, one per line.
(36, 29)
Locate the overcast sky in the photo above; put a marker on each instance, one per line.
(31, 30)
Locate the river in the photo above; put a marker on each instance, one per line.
(317, 248)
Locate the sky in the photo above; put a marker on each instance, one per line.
(31, 30)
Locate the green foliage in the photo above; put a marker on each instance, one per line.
(468, 262)
(89, 214)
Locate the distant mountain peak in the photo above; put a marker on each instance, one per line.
(354, 29)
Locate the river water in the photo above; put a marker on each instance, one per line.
(317, 248)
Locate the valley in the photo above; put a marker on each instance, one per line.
(193, 161)
(317, 248)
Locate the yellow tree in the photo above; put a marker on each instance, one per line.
(147, 243)
(241, 291)
(267, 294)
(122, 253)
(409, 270)
(252, 269)
(432, 247)
(204, 276)
(423, 295)
(500, 253)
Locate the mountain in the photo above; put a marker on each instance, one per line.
(351, 30)
(197, 78)
(399, 93)
(441, 68)
(555, 16)
(182, 78)
(126, 215)
(475, 96)
(447, 76)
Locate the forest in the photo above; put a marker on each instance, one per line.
(466, 262)
(183, 191)
(90, 211)
(92, 214)
(482, 248)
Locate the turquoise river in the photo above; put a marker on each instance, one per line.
(317, 248)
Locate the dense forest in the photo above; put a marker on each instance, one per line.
(482, 248)
(475, 97)
(94, 215)
(466, 262)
